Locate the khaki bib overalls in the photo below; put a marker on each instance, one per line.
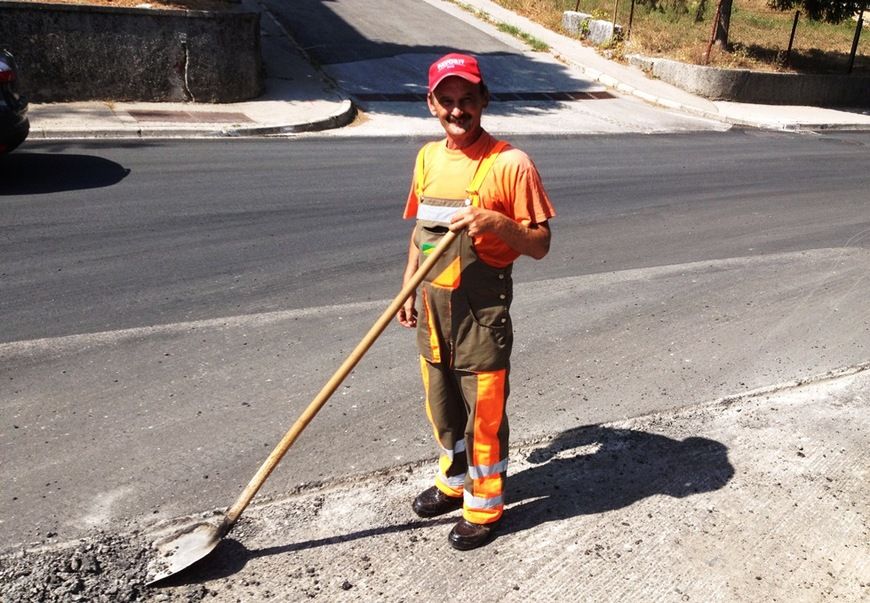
(464, 334)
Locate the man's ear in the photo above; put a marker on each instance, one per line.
(430, 100)
(484, 92)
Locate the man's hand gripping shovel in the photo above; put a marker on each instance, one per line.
(187, 546)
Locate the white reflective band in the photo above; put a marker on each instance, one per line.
(458, 448)
(480, 471)
(476, 502)
(457, 481)
(435, 213)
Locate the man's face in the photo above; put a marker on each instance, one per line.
(458, 104)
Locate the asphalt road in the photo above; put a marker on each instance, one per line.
(170, 307)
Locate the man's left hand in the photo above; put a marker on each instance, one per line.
(532, 240)
(476, 220)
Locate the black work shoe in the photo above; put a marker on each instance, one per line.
(466, 535)
(432, 502)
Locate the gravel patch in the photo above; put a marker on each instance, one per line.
(102, 567)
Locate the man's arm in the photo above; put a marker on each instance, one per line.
(407, 315)
(532, 240)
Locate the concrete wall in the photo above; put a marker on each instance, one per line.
(744, 86)
(71, 52)
(597, 31)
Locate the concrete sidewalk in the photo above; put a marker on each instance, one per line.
(298, 98)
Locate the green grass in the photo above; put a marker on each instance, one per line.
(529, 39)
(536, 44)
(681, 29)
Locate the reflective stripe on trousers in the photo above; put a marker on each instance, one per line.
(467, 414)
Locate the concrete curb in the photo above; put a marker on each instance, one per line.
(339, 119)
(345, 115)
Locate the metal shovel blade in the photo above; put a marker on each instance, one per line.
(183, 549)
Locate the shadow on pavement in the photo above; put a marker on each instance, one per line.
(583, 471)
(593, 469)
(24, 173)
(230, 556)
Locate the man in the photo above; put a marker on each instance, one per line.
(492, 195)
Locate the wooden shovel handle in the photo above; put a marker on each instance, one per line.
(343, 371)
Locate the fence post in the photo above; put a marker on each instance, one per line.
(855, 40)
(713, 35)
(797, 15)
(613, 25)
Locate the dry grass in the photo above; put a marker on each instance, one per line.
(681, 29)
(216, 5)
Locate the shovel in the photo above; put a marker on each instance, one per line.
(187, 546)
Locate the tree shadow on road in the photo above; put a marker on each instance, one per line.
(593, 469)
(386, 72)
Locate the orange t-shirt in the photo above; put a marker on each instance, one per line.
(513, 187)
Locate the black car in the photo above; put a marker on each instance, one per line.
(14, 125)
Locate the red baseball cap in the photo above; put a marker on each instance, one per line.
(460, 65)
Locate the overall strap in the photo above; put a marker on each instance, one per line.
(418, 172)
(482, 171)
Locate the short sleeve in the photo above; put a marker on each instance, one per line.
(531, 203)
(413, 200)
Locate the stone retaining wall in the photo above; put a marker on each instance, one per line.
(74, 52)
(597, 31)
(744, 86)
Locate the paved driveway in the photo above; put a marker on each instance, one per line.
(380, 51)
